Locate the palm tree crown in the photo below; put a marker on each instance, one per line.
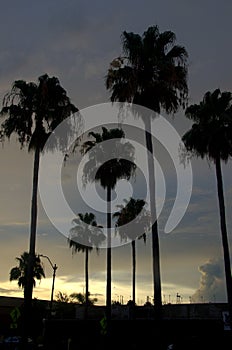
(34, 110)
(152, 71)
(210, 134)
(112, 162)
(18, 273)
(85, 234)
(132, 212)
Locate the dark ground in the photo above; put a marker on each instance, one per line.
(137, 334)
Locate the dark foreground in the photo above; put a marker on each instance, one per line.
(137, 334)
(170, 334)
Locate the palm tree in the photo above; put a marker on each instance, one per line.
(152, 73)
(19, 272)
(85, 235)
(34, 111)
(118, 165)
(133, 213)
(80, 299)
(210, 138)
(62, 297)
(76, 298)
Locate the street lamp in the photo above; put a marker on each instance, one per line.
(54, 267)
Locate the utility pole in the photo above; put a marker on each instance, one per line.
(54, 267)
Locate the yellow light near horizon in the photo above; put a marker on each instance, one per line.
(120, 292)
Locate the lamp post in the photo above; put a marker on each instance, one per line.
(54, 267)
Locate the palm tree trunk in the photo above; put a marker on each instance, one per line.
(29, 283)
(108, 282)
(224, 235)
(155, 238)
(86, 282)
(133, 270)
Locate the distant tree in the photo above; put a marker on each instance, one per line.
(62, 297)
(116, 302)
(148, 303)
(210, 137)
(19, 272)
(80, 298)
(77, 298)
(84, 235)
(64, 308)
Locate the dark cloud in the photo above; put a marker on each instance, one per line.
(6, 291)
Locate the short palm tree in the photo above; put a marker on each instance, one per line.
(62, 297)
(152, 73)
(33, 111)
(132, 212)
(19, 272)
(106, 165)
(80, 299)
(84, 235)
(210, 137)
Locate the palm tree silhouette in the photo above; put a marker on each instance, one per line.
(19, 272)
(119, 164)
(210, 138)
(33, 111)
(84, 235)
(151, 73)
(132, 212)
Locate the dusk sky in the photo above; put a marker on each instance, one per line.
(76, 41)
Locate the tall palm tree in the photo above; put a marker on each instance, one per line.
(152, 73)
(132, 212)
(33, 111)
(210, 138)
(106, 165)
(85, 235)
(19, 272)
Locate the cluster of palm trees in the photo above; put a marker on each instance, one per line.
(33, 111)
(152, 72)
(77, 298)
